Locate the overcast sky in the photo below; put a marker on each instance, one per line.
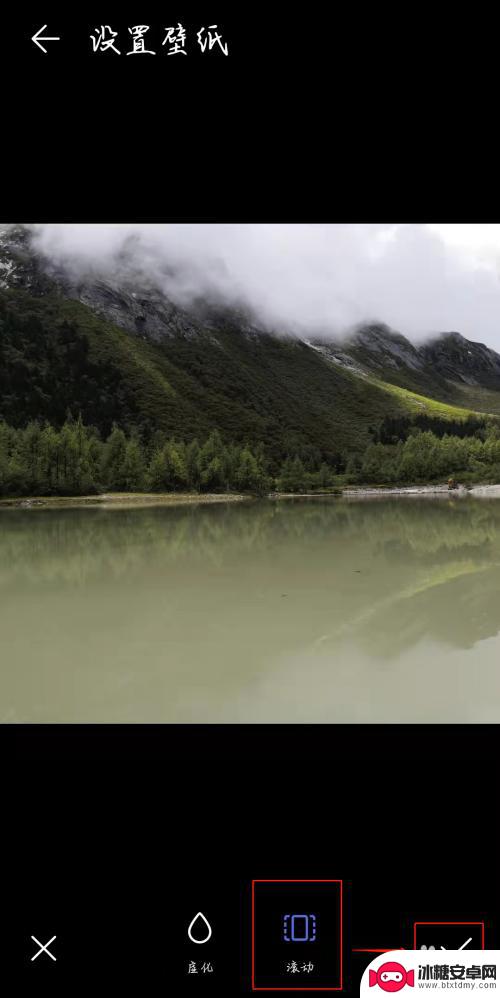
(419, 279)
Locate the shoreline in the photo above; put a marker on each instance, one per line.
(405, 490)
(432, 491)
(123, 500)
(380, 491)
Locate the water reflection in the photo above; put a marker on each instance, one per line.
(281, 611)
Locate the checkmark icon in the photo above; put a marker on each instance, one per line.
(463, 946)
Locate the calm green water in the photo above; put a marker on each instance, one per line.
(322, 610)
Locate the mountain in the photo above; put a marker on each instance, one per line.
(460, 360)
(116, 348)
(448, 367)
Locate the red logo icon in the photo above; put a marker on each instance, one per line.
(392, 977)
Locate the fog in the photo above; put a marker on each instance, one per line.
(419, 279)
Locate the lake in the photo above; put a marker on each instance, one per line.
(323, 610)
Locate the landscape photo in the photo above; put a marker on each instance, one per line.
(249, 473)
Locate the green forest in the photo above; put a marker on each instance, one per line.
(42, 460)
(426, 457)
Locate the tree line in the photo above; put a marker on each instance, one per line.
(40, 459)
(424, 456)
(395, 428)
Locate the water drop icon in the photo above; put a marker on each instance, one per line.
(200, 929)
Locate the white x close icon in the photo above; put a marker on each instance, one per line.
(44, 948)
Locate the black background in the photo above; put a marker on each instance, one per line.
(112, 838)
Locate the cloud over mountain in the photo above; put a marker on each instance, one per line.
(416, 278)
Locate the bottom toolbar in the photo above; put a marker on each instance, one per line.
(261, 935)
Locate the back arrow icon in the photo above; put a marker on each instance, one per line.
(38, 41)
